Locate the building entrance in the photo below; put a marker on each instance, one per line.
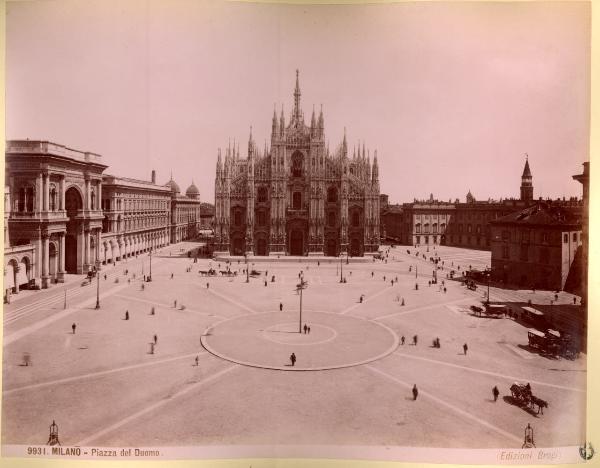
(296, 242)
(73, 254)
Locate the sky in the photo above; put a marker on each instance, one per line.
(451, 95)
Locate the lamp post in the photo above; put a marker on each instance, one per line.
(299, 287)
(489, 274)
(150, 275)
(97, 285)
(247, 271)
(342, 267)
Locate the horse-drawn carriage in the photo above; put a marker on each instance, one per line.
(522, 394)
(209, 272)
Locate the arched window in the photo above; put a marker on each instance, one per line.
(237, 218)
(262, 194)
(29, 197)
(331, 218)
(21, 203)
(355, 218)
(297, 164)
(418, 228)
(332, 195)
(297, 201)
(261, 218)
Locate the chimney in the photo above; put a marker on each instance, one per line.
(153, 176)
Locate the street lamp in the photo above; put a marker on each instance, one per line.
(299, 287)
(489, 274)
(247, 271)
(342, 266)
(150, 275)
(97, 285)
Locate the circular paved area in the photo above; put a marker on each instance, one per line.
(267, 340)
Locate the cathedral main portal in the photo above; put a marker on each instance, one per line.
(296, 242)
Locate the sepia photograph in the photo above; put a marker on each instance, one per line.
(354, 231)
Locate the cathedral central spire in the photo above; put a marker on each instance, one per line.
(297, 112)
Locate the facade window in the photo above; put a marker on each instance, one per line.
(469, 228)
(29, 199)
(331, 218)
(261, 218)
(297, 201)
(418, 228)
(505, 235)
(478, 229)
(505, 251)
(460, 228)
(262, 194)
(332, 195)
(524, 253)
(574, 237)
(237, 218)
(545, 237)
(566, 238)
(52, 198)
(426, 228)
(435, 228)
(355, 219)
(525, 235)
(21, 202)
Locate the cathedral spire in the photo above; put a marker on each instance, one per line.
(275, 127)
(344, 144)
(282, 121)
(296, 114)
(313, 121)
(375, 174)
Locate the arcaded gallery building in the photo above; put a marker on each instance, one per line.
(296, 197)
(62, 214)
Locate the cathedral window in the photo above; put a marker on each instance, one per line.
(297, 164)
(261, 218)
(262, 194)
(297, 201)
(332, 195)
(355, 218)
(331, 218)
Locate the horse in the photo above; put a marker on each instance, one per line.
(541, 404)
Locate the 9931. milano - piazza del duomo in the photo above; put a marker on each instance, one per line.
(297, 197)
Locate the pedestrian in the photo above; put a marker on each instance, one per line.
(360, 299)
(415, 339)
(105, 277)
(465, 348)
(556, 297)
(293, 359)
(308, 330)
(305, 328)
(415, 392)
(416, 286)
(384, 278)
(152, 311)
(175, 304)
(372, 273)
(280, 306)
(126, 315)
(151, 348)
(402, 340)
(402, 301)
(574, 300)
(207, 285)
(445, 289)
(73, 327)
(495, 392)
(196, 361)
(265, 283)
(155, 339)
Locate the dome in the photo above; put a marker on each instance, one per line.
(173, 186)
(192, 191)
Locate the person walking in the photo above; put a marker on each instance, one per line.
(152, 311)
(465, 348)
(155, 339)
(73, 327)
(415, 392)
(495, 392)
(308, 329)
(175, 304)
(415, 339)
(293, 359)
(402, 301)
(402, 340)
(280, 306)
(196, 361)
(305, 328)
(126, 315)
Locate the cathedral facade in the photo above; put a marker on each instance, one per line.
(296, 197)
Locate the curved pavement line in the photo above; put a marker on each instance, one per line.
(418, 309)
(100, 373)
(389, 351)
(163, 401)
(456, 409)
(326, 340)
(166, 306)
(495, 374)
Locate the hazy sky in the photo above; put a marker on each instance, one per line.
(450, 94)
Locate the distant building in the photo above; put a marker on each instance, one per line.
(535, 247)
(584, 178)
(64, 215)
(454, 223)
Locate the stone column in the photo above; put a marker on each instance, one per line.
(99, 195)
(61, 189)
(16, 274)
(60, 277)
(88, 195)
(46, 184)
(45, 261)
(39, 194)
(86, 250)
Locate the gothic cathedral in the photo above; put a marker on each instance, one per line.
(296, 197)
